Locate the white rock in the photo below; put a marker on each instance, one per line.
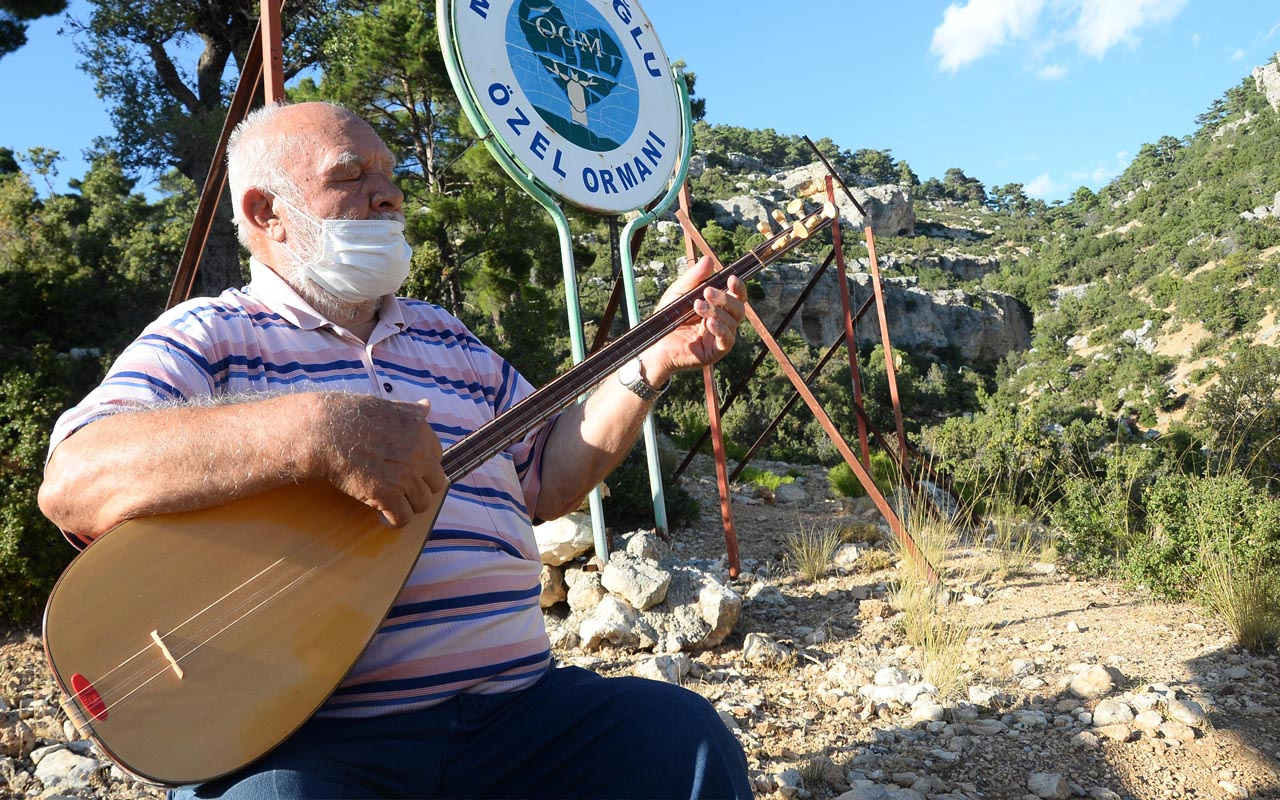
(640, 582)
(1149, 721)
(612, 621)
(646, 544)
(791, 494)
(1233, 789)
(985, 696)
(927, 709)
(1049, 785)
(1188, 712)
(761, 649)
(64, 768)
(554, 589)
(890, 676)
(562, 540)
(585, 590)
(846, 555)
(1112, 712)
(1093, 682)
(1030, 718)
(667, 668)
(16, 738)
(1177, 731)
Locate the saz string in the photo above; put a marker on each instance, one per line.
(467, 453)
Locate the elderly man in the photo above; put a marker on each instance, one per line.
(316, 372)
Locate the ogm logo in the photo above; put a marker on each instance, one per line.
(579, 92)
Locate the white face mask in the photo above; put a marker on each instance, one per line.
(358, 259)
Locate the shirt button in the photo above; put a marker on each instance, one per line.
(386, 387)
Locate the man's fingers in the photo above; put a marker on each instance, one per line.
(396, 511)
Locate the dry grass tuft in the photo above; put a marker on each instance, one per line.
(1244, 594)
(811, 549)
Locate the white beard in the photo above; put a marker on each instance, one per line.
(303, 248)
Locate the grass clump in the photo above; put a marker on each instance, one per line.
(811, 549)
(765, 478)
(1244, 594)
(884, 472)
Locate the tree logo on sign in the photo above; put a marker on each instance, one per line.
(574, 71)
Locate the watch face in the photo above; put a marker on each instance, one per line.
(630, 372)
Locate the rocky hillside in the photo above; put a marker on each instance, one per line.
(1131, 295)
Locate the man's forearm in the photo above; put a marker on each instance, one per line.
(174, 458)
(588, 442)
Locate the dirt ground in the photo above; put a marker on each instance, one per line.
(808, 729)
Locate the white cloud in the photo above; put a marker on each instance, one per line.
(1041, 186)
(1051, 72)
(978, 28)
(1238, 55)
(1103, 24)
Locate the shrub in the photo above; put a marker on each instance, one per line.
(765, 478)
(1242, 593)
(1187, 513)
(630, 503)
(32, 551)
(884, 472)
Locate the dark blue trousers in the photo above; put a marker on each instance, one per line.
(574, 734)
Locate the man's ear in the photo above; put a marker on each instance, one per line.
(258, 210)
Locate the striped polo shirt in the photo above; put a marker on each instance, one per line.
(468, 619)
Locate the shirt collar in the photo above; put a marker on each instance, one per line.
(267, 286)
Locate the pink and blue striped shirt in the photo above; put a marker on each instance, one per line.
(468, 619)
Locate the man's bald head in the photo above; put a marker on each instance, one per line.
(267, 148)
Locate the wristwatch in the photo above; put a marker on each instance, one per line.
(631, 375)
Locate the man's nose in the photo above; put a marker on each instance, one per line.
(387, 196)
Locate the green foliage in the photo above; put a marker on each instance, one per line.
(1243, 593)
(32, 551)
(1241, 413)
(884, 473)
(765, 478)
(1187, 513)
(630, 501)
(14, 16)
(810, 550)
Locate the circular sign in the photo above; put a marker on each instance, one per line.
(579, 92)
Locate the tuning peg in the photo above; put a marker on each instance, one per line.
(764, 227)
(795, 207)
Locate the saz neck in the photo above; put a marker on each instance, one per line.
(496, 435)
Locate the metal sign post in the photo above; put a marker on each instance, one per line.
(576, 99)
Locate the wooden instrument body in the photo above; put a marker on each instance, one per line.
(263, 606)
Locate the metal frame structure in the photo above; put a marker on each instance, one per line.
(262, 80)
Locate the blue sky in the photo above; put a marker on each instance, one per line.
(1053, 94)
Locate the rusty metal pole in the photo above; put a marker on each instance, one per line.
(850, 326)
(713, 403)
(272, 51)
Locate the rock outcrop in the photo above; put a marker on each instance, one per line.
(970, 326)
(1267, 78)
(888, 208)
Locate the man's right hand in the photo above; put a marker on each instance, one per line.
(381, 452)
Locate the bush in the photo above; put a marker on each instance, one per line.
(630, 501)
(1187, 513)
(32, 551)
(884, 472)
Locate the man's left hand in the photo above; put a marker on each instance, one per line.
(705, 339)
